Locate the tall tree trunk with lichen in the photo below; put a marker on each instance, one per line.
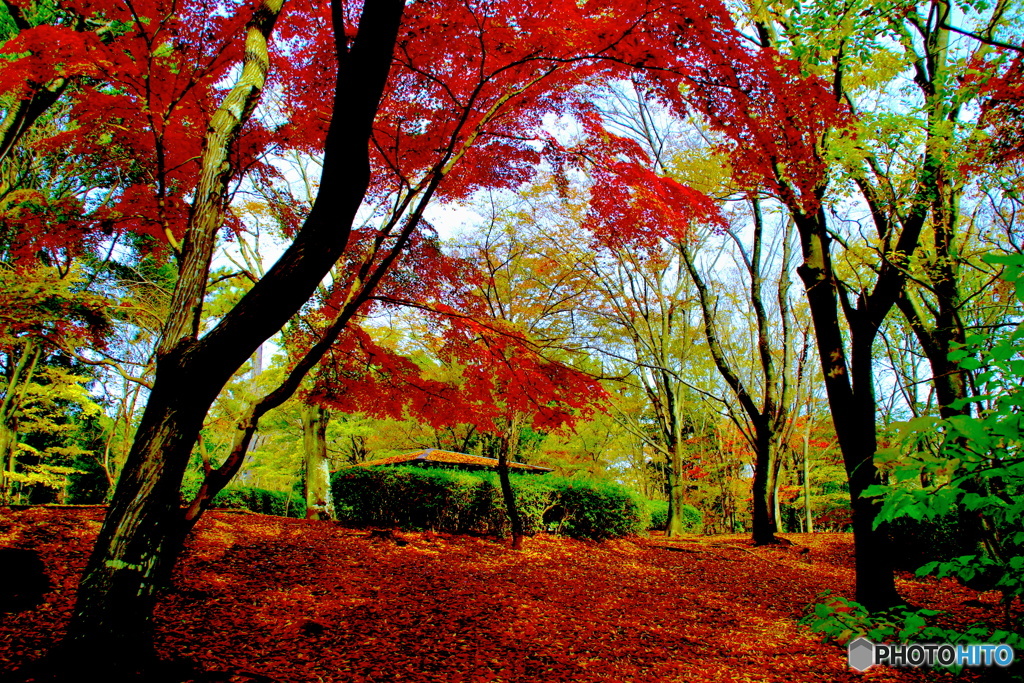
(317, 488)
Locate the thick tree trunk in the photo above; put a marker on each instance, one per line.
(110, 634)
(674, 525)
(111, 629)
(876, 588)
(764, 527)
(319, 502)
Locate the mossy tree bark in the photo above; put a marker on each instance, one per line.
(317, 489)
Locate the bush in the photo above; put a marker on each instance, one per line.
(693, 519)
(462, 502)
(413, 498)
(599, 510)
(659, 514)
(262, 501)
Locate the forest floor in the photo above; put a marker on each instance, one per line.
(262, 598)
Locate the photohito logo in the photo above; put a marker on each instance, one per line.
(863, 654)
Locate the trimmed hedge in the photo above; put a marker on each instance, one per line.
(599, 510)
(262, 501)
(463, 502)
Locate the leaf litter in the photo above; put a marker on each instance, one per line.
(259, 598)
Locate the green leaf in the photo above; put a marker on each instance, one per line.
(970, 363)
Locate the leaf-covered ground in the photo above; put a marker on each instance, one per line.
(265, 598)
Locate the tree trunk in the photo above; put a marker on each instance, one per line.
(19, 375)
(110, 633)
(8, 443)
(807, 481)
(773, 492)
(762, 419)
(852, 405)
(319, 502)
(764, 529)
(505, 449)
(111, 629)
(674, 524)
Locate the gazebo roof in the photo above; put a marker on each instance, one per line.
(435, 456)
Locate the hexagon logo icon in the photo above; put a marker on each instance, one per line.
(861, 654)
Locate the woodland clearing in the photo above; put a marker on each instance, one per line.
(260, 598)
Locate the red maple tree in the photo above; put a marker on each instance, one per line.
(404, 104)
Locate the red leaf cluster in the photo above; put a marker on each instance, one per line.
(1003, 113)
(472, 84)
(504, 374)
(631, 206)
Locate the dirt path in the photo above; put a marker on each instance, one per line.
(266, 598)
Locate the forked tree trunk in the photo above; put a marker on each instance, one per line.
(110, 634)
(852, 402)
(762, 419)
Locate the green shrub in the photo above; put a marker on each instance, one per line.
(843, 620)
(413, 498)
(534, 496)
(463, 502)
(262, 501)
(599, 510)
(693, 519)
(659, 514)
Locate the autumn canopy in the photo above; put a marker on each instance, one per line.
(245, 243)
